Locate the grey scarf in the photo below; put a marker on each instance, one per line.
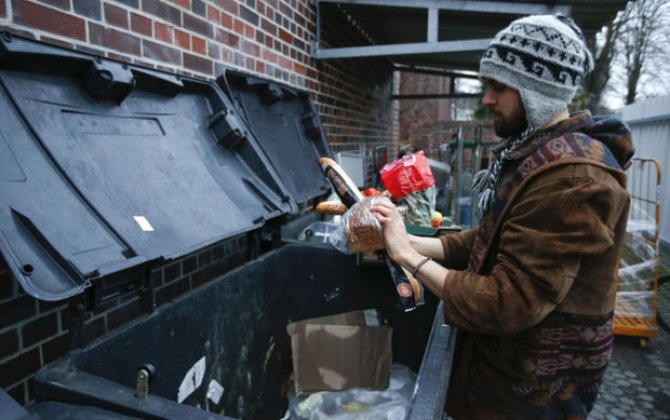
(484, 181)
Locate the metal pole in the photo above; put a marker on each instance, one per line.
(459, 172)
(477, 166)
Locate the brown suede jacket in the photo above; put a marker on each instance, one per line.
(551, 257)
(557, 250)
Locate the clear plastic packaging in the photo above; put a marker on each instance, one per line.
(420, 206)
(357, 403)
(635, 305)
(359, 229)
(635, 296)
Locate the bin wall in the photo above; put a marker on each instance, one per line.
(34, 333)
(235, 329)
(197, 38)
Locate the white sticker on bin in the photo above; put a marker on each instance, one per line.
(144, 223)
(371, 318)
(192, 380)
(215, 391)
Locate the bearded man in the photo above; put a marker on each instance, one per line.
(532, 288)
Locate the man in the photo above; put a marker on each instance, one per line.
(533, 287)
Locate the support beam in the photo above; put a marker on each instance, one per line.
(433, 24)
(401, 49)
(507, 7)
(434, 72)
(436, 96)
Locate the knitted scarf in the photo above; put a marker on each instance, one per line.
(484, 181)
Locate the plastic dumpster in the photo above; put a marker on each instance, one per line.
(233, 332)
(52, 410)
(148, 167)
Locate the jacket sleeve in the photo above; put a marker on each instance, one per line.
(559, 220)
(457, 248)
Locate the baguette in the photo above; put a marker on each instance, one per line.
(331, 207)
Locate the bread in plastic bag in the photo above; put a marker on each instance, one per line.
(359, 230)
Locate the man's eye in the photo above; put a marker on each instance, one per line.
(498, 87)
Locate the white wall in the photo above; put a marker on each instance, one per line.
(649, 120)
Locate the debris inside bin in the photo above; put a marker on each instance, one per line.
(357, 403)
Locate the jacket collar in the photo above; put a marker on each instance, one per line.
(576, 122)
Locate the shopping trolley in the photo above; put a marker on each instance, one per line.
(636, 298)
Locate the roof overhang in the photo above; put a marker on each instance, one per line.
(449, 34)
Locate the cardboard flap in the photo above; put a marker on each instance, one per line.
(337, 357)
(368, 317)
(341, 351)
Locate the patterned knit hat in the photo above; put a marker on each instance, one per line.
(544, 57)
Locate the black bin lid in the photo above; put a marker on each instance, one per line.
(286, 124)
(104, 166)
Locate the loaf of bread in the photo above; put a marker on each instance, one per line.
(363, 231)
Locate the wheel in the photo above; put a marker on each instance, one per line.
(644, 343)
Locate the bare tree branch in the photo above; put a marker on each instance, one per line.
(643, 40)
(631, 56)
(603, 52)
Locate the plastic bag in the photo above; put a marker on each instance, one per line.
(357, 403)
(636, 294)
(420, 207)
(359, 230)
(407, 175)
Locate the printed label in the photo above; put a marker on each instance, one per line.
(404, 290)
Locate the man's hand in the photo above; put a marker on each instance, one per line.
(396, 239)
(401, 247)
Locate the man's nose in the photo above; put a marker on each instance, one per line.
(489, 98)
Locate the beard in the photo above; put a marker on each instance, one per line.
(511, 126)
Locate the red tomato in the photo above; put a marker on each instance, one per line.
(369, 192)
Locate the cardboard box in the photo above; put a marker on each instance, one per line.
(342, 351)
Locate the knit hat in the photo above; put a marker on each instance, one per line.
(544, 58)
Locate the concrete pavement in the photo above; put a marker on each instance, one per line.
(637, 383)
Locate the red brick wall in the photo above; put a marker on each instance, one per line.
(271, 38)
(197, 38)
(415, 113)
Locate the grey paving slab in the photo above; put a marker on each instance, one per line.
(637, 382)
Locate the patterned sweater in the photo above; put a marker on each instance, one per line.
(533, 287)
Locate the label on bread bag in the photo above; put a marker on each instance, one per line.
(409, 291)
(345, 188)
(348, 197)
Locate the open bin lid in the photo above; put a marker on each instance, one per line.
(104, 166)
(288, 128)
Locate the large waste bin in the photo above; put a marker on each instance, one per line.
(231, 335)
(53, 410)
(148, 167)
